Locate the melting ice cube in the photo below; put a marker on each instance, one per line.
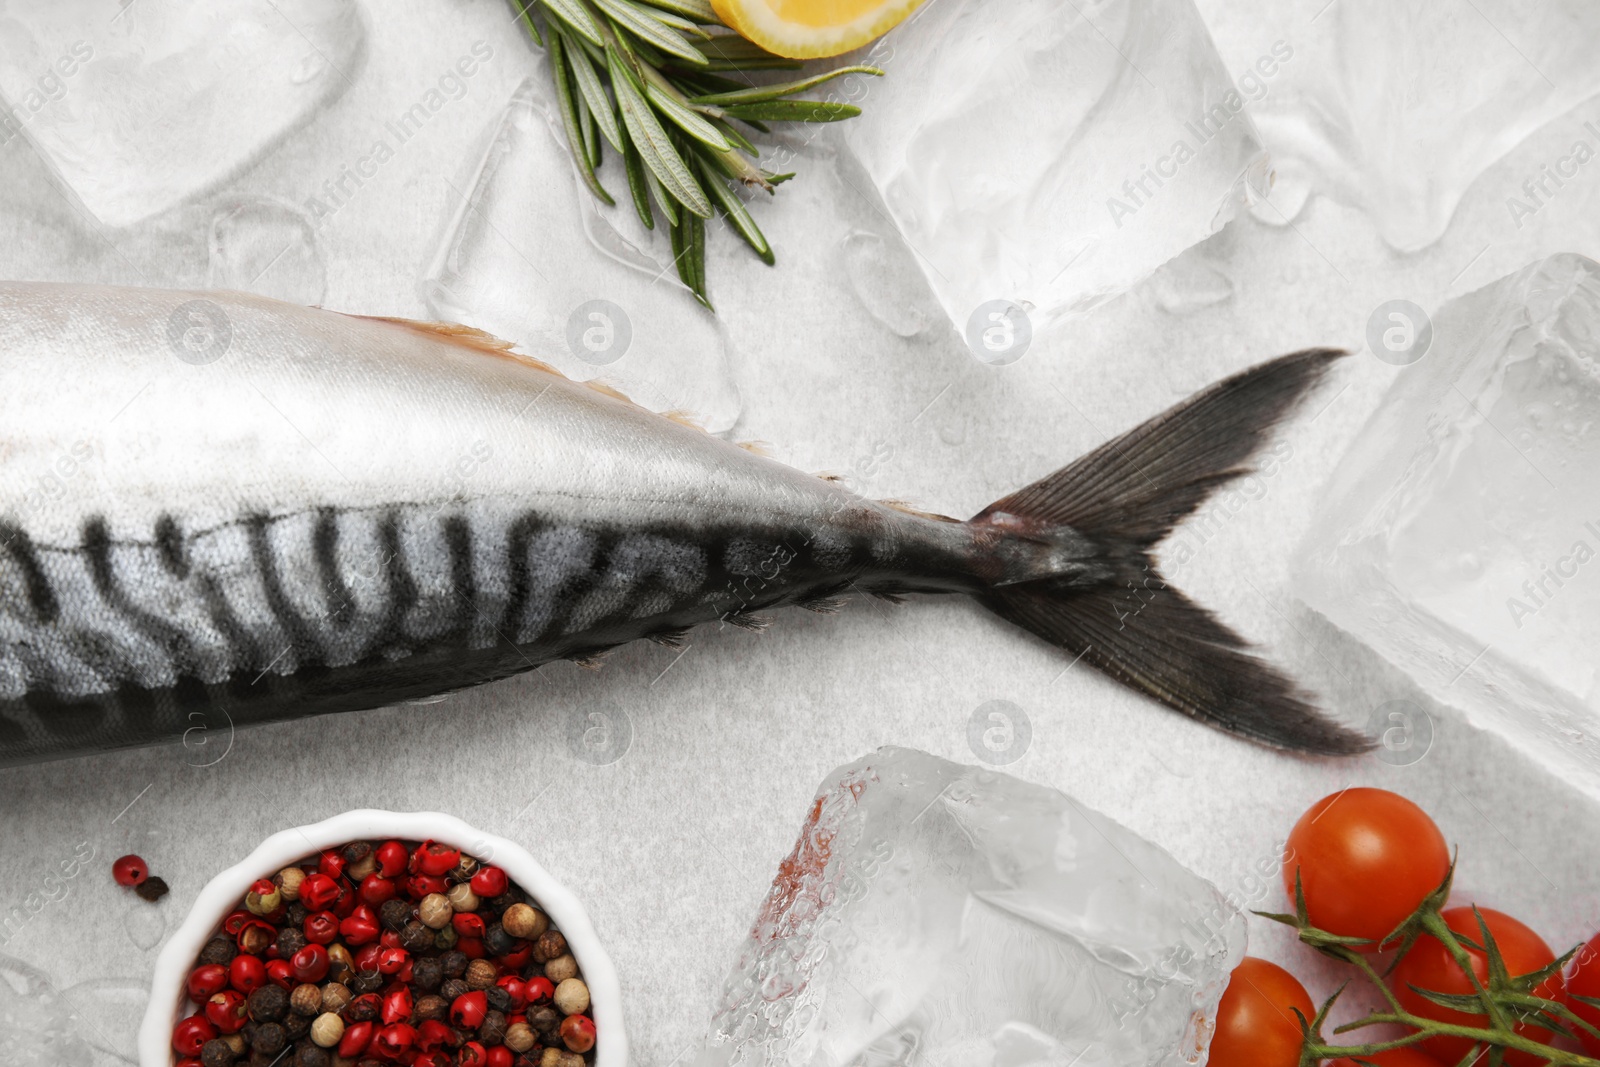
(142, 105)
(1460, 536)
(937, 913)
(532, 257)
(1396, 106)
(1053, 153)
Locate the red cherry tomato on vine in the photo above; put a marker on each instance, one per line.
(1366, 859)
(1429, 966)
(1255, 1026)
(1583, 980)
(1395, 1057)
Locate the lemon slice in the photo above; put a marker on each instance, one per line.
(811, 29)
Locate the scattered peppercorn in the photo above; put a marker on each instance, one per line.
(366, 955)
(152, 889)
(129, 870)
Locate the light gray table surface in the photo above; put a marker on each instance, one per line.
(672, 847)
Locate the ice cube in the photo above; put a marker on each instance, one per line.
(37, 1024)
(1397, 106)
(936, 913)
(532, 257)
(1052, 153)
(1458, 536)
(142, 109)
(260, 245)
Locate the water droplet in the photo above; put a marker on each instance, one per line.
(894, 294)
(145, 925)
(1188, 284)
(267, 247)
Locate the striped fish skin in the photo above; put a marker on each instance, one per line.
(339, 512)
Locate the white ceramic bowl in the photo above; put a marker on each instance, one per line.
(224, 892)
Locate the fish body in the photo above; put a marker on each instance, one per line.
(217, 502)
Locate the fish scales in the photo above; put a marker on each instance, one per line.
(215, 504)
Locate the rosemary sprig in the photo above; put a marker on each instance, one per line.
(648, 79)
(1505, 1000)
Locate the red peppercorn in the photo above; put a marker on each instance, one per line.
(392, 859)
(206, 980)
(433, 1059)
(516, 992)
(389, 939)
(190, 1061)
(518, 958)
(396, 1005)
(395, 1040)
(367, 957)
(247, 974)
(345, 902)
(468, 1010)
(499, 1056)
(489, 882)
(472, 1054)
(418, 886)
(357, 1036)
(577, 1033)
(321, 927)
(226, 1011)
(468, 924)
(130, 870)
(393, 960)
(331, 863)
(470, 947)
(281, 973)
(433, 1034)
(310, 964)
(318, 891)
(361, 927)
(436, 858)
(191, 1033)
(540, 990)
(375, 889)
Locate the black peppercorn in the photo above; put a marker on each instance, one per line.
(269, 1039)
(151, 889)
(492, 1030)
(427, 973)
(216, 1053)
(296, 1026)
(268, 1003)
(363, 1009)
(549, 945)
(497, 942)
(431, 1007)
(307, 1054)
(356, 851)
(417, 939)
(546, 1020)
(499, 999)
(221, 950)
(394, 914)
(291, 939)
(454, 962)
(295, 914)
(451, 988)
(247, 1031)
(260, 1059)
(505, 900)
(366, 982)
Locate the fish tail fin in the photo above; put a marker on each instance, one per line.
(1114, 610)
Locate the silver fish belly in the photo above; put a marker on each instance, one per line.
(217, 503)
(298, 510)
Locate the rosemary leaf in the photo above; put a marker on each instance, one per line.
(627, 14)
(668, 206)
(682, 25)
(730, 46)
(697, 257)
(699, 10)
(686, 119)
(761, 94)
(737, 213)
(570, 121)
(577, 18)
(525, 14)
(654, 146)
(591, 135)
(638, 186)
(794, 111)
(736, 139)
(594, 94)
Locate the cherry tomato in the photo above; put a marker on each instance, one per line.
(1366, 859)
(1255, 1027)
(1583, 979)
(1395, 1057)
(1429, 966)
